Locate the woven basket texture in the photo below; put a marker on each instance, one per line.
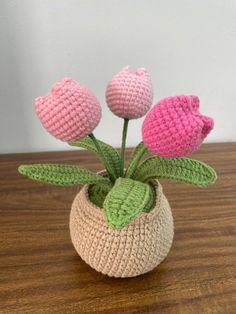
(127, 252)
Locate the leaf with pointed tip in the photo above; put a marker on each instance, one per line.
(60, 174)
(125, 201)
(111, 154)
(180, 169)
(136, 156)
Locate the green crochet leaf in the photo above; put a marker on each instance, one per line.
(136, 156)
(110, 153)
(181, 169)
(98, 192)
(125, 202)
(60, 174)
(151, 200)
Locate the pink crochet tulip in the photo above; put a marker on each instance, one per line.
(70, 111)
(129, 94)
(174, 127)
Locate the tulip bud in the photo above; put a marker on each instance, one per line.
(70, 112)
(129, 94)
(174, 127)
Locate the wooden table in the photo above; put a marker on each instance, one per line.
(40, 271)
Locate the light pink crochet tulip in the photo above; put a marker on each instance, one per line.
(129, 94)
(70, 111)
(174, 127)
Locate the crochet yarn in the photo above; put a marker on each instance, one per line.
(126, 200)
(181, 169)
(174, 127)
(60, 174)
(127, 252)
(129, 94)
(110, 153)
(70, 112)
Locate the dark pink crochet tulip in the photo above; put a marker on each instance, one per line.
(174, 127)
(70, 112)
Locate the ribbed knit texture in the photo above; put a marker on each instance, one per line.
(70, 111)
(126, 252)
(129, 94)
(174, 127)
(126, 200)
(110, 153)
(181, 169)
(60, 174)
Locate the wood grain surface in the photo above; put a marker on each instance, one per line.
(40, 271)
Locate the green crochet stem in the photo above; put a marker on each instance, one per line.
(109, 169)
(124, 136)
(139, 151)
(111, 154)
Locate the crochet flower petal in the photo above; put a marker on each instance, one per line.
(70, 112)
(129, 94)
(174, 127)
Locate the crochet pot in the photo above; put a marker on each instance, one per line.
(127, 252)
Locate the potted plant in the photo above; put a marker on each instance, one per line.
(121, 222)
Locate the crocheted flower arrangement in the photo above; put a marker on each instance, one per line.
(172, 129)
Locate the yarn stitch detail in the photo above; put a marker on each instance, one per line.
(70, 111)
(111, 154)
(174, 127)
(129, 94)
(182, 169)
(126, 252)
(60, 174)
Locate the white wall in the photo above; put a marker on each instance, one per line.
(189, 46)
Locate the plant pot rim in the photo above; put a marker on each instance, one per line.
(97, 213)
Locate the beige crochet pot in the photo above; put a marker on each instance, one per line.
(127, 252)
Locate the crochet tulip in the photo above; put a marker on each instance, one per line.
(70, 112)
(129, 94)
(175, 127)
